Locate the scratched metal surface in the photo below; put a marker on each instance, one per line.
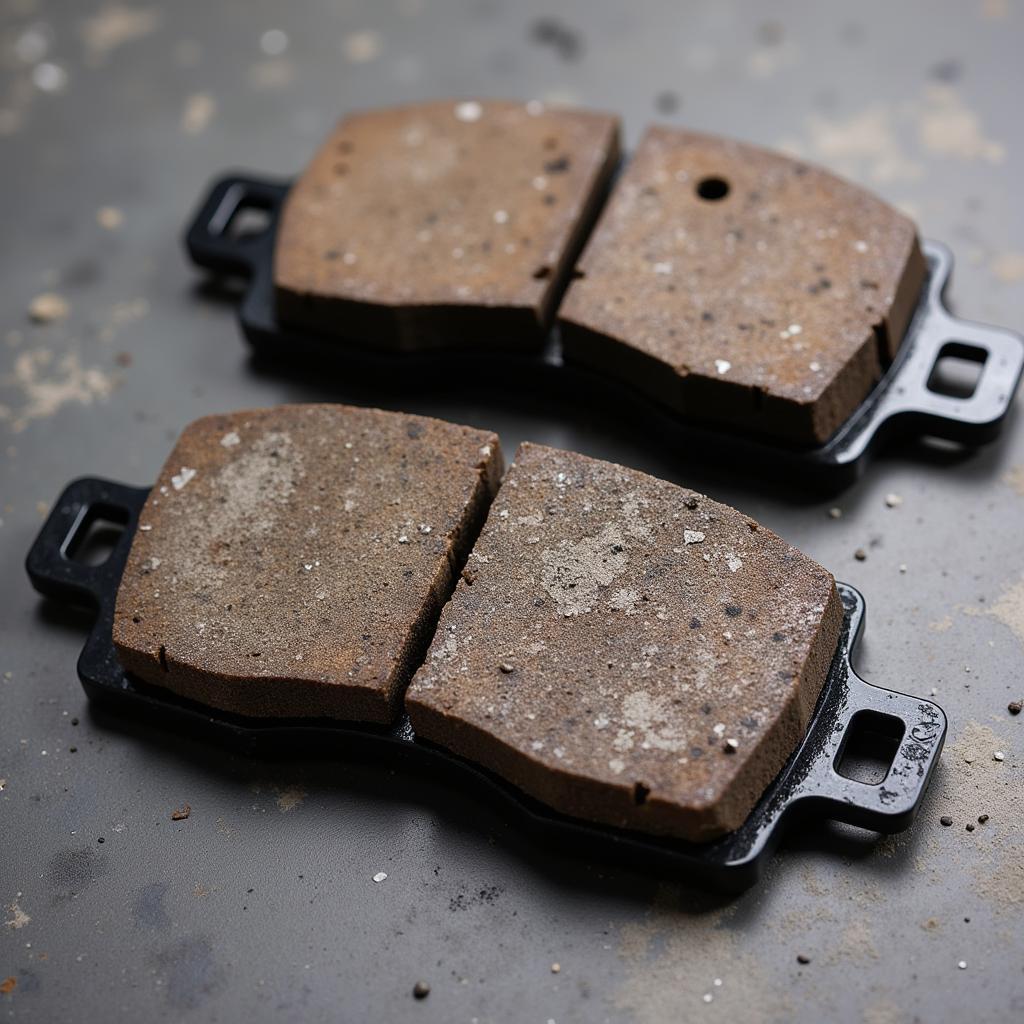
(261, 905)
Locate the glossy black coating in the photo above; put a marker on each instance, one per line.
(808, 785)
(901, 404)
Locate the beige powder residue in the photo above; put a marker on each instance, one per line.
(576, 574)
(982, 785)
(1008, 267)
(948, 127)
(198, 113)
(1009, 609)
(972, 783)
(1014, 478)
(47, 384)
(995, 10)
(887, 143)
(289, 797)
(867, 142)
(18, 918)
(673, 958)
(856, 945)
(114, 25)
(884, 1013)
(363, 46)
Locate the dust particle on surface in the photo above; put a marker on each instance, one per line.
(1008, 267)
(8, 985)
(666, 102)
(110, 218)
(114, 25)
(289, 797)
(18, 918)
(1015, 478)
(48, 308)
(197, 113)
(363, 46)
(565, 41)
(181, 813)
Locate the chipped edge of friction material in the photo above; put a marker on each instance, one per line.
(254, 696)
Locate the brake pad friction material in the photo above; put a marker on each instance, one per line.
(291, 562)
(742, 287)
(627, 651)
(442, 224)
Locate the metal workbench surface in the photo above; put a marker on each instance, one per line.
(261, 904)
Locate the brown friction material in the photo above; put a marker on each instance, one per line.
(292, 561)
(444, 223)
(612, 633)
(772, 308)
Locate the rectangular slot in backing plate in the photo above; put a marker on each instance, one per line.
(870, 746)
(957, 369)
(94, 535)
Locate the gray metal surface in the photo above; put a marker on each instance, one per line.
(262, 905)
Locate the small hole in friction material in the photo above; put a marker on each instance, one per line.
(712, 188)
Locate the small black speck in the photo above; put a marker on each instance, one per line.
(948, 70)
(557, 166)
(101, 840)
(733, 610)
(802, 958)
(565, 41)
(666, 102)
(420, 990)
(946, 820)
(778, 637)
(695, 623)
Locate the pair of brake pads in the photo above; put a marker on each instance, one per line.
(735, 285)
(621, 649)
